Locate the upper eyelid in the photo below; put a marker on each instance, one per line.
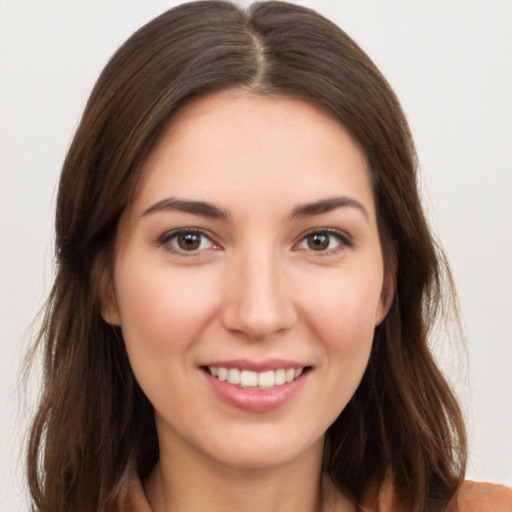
(173, 232)
(168, 235)
(332, 231)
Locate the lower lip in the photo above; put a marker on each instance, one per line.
(255, 399)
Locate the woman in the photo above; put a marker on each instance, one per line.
(245, 284)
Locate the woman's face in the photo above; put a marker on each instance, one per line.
(248, 278)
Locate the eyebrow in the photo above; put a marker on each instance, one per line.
(201, 208)
(326, 206)
(205, 209)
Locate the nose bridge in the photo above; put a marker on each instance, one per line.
(259, 302)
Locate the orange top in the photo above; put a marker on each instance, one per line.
(472, 497)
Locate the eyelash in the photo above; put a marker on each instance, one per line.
(343, 241)
(166, 238)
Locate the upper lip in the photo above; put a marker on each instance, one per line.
(256, 366)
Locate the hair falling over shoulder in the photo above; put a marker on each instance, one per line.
(93, 421)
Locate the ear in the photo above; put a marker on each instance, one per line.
(387, 294)
(105, 291)
(109, 306)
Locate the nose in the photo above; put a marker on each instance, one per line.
(258, 302)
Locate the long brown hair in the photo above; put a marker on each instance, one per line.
(93, 419)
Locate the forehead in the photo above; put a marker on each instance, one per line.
(234, 143)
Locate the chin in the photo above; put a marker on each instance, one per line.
(260, 451)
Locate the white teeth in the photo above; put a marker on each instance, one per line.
(250, 379)
(279, 377)
(266, 379)
(234, 376)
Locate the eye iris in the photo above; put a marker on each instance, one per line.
(318, 241)
(189, 241)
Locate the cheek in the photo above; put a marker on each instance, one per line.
(163, 316)
(162, 310)
(348, 339)
(346, 307)
(342, 317)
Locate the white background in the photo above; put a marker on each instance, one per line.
(450, 62)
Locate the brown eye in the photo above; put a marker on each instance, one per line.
(187, 241)
(318, 241)
(325, 241)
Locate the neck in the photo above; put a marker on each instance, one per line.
(190, 482)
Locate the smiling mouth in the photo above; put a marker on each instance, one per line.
(255, 380)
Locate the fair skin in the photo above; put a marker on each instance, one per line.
(251, 246)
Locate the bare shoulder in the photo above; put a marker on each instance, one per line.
(482, 497)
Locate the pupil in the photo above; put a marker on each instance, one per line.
(189, 241)
(318, 242)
